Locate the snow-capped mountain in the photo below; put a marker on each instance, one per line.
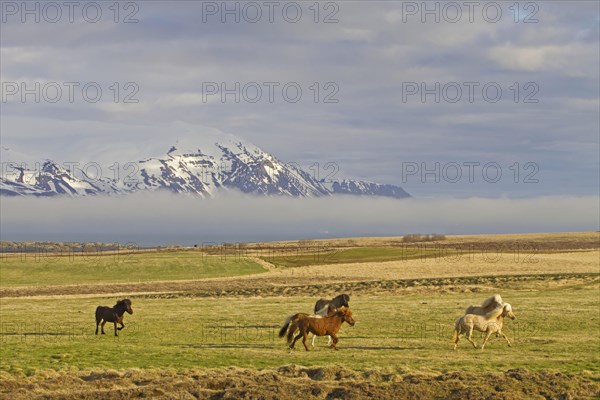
(224, 163)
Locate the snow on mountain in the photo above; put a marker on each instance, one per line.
(222, 162)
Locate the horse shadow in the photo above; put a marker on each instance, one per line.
(380, 348)
(228, 346)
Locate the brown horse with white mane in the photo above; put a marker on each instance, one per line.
(319, 326)
(114, 314)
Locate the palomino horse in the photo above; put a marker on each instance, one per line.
(327, 325)
(487, 308)
(114, 314)
(492, 324)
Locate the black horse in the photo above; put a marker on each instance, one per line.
(338, 301)
(114, 314)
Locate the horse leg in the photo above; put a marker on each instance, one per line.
(304, 337)
(328, 340)
(470, 337)
(295, 339)
(504, 336)
(335, 341)
(102, 326)
(115, 328)
(313, 340)
(122, 326)
(97, 323)
(487, 336)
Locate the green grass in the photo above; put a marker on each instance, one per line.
(136, 267)
(354, 255)
(556, 329)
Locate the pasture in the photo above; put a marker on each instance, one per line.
(207, 330)
(48, 269)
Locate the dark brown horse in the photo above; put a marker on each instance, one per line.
(338, 301)
(327, 325)
(114, 314)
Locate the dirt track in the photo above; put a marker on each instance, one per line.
(294, 382)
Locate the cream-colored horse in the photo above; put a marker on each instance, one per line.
(492, 323)
(487, 308)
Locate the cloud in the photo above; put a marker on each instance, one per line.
(368, 53)
(548, 58)
(169, 219)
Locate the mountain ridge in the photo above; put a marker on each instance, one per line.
(201, 170)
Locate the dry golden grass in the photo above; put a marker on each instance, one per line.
(478, 264)
(558, 240)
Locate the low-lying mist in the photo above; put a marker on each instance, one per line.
(162, 219)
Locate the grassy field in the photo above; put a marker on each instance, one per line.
(226, 313)
(410, 332)
(30, 269)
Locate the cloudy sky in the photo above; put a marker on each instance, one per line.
(386, 86)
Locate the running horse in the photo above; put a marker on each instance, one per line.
(322, 307)
(327, 325)
(338, 301)
(115, 314)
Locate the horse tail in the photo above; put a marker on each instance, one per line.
(98, 314)
(291, 332)
(457, 328)
(456, 331)
(285, 326)
(455, 338)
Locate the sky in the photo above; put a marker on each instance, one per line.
(499, 101)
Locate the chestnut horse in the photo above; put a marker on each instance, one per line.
(114, 314)
(327, 325)
(293, 319)
(321, 307)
